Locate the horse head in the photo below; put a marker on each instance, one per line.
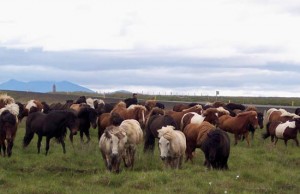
(253, 119)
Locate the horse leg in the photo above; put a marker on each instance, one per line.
(247, 138)
(285, 142)
(71, 138)
(47, 145)
(275, 142)
(236, 137)
(39, 143)
(87, 134)
(63, 145)
(81, 136)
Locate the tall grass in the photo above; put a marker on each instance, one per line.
(261, 168)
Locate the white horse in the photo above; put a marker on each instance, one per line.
(134, 133)
(172, 146)
(112, 146)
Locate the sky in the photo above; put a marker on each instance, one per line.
(184, 47)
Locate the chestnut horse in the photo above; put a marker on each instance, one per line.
(238, 124)
(134, 111)
(177, 116)
(210, 115)
(195, 135)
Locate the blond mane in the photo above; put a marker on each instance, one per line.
(166, 132)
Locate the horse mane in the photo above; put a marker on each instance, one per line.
(250, 108)
(166, 132)
(209, 110)
(288, 114)
(197, 106)
(30, 104)
(156, 111)
(120, 104)
(136, 106)
(5, 99)
(12, 108)
(223, 110)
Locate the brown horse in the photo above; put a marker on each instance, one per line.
(156, 121)
(8, 127)
(177, 116)
(238, 124)
(274, 114)
(210, 115)
(195, 135)
(107, 119)
(134, 111)
(283, 130)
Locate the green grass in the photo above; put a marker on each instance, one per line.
(261, 168)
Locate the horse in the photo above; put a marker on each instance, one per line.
(155, 122)
(195, 135)
(216, 148)
(134, 111)
(172, 146)
(130, 101)
(177, 116)
(134, 134)
(87, 117)
(274, 114)
(33, 106)
(5, 99)
(81, 99)
(180, 107)
(60, 106)
(260, 119)
(50, 125)
(210, 115)
(238, 124)
(234, 106)
(8, 127)
(112, 146)
(107, 119)
(283, 130)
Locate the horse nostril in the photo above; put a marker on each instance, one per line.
(163, 157)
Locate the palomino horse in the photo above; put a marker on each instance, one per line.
(283, 130)
(134, 111)
(177, 116)
(238, 124)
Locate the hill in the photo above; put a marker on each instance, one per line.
(43, 86)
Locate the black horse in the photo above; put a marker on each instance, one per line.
(216, 148)
(54, 124)
(87, 116)
(8, 129)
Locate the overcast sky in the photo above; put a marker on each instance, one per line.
(245, 47)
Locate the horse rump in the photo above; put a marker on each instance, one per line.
(216, 148)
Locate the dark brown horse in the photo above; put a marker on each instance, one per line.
(8, 129)
(51, 125)
(238, 124)
(154, 123)
(283, 130)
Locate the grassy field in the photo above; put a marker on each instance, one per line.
(261, 168)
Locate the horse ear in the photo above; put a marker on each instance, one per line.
(107, 134)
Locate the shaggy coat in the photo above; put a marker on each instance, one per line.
(216, 148)
(112, 146)
(134, 134)
(195, 135)
(172, 146)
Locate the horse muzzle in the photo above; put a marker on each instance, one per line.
(163, 158)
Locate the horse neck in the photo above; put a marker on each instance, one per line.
(246, 119)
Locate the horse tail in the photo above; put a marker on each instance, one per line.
(267, 134)
(27, 139)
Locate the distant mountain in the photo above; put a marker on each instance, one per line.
(122, 91)
(43, 86)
